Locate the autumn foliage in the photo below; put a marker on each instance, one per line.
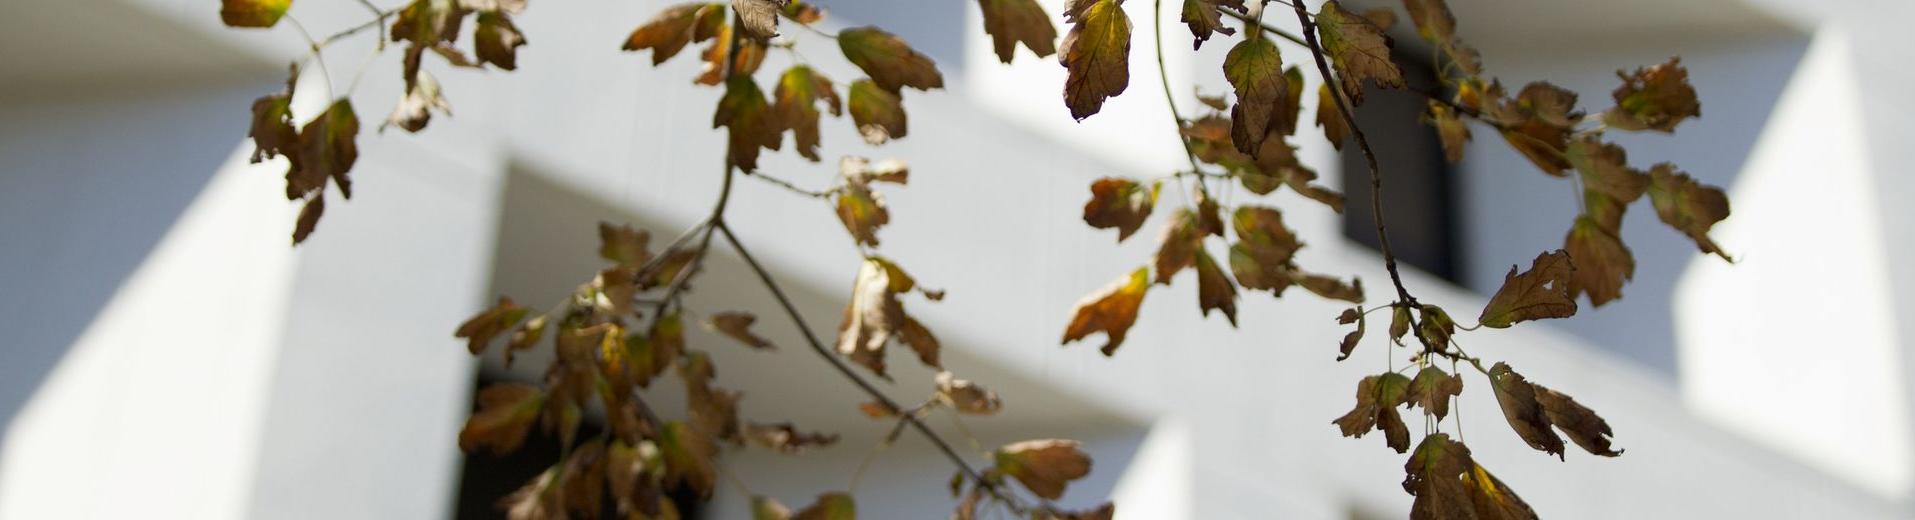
(622, 332)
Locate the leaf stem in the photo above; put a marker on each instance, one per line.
(1170, 99)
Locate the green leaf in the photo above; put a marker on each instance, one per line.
(878, 113)
(1096, 54)
(252, 13)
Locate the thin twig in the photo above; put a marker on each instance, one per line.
(1170, 99)
(791, 187)
(818, 347)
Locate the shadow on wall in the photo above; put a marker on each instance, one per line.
(88, 186)
(1509, 211)
(547, 246)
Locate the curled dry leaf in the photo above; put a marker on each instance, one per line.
(506, 413)
(1376, 400)
(525, 338)
(1539, 293)
(1688, 206)
(875, 315)
(1450, 130)
(748, 55)
(676, 26)
(479, 330)
(415, 109)
(534, 500)
(1010, 22)
(861, 210)
(803, 12)
(1449, 484)
(1350, 340)
(1096, 53)
(1538, 123)
(1262, 256)
(1605, 170)
(890, 62)
(498, 40)
(830, 506)
(1204, 18)
(1358, 49)
(965, 396)
(1518, 400)
(737, 326)
(1120, 203)
(1214, 289)
(252, 13)
(758, 17)
(1654, 98)
(713, 410)
(309, 218)
(1335, 128)
(1182, 240)
(785, 437)
(1043, 466)
(1603, 263)
(1399, 322)
(1581, 424)
(878, 114)
(623, 245)
(1111, 310)
(877, 409)
(1435, 326)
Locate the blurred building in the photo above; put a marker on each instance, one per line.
(168, 356)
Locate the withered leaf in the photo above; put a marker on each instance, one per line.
(879, 114)
(1539, 293)
(877, 409)
(1376, 400)
(1177, 249)
(965, 396)
(687, 455)
(1654, 98)
(326, 151)
(428, 25)
(1331, 287)
(422, 97)
(506, 413)
(1010, 22)
(759, 17)
(309, 218)
(252, 13)
(861, 210)
(830, 506)
(1435, 326)
(1450, 129)
(1605, 169)
(785, 438)
(743, 60)
(1492, 499)
(1255, 71)
(1044, 466)
(1581, 424)
(891, 63)
(498, 40)
(1214, 102)
(272, 130)
(1518, 400)
(1204, 18)
(749, 118)
(1358, 49)
(623, 245)
(804, 12)
(1688, 206)
(1096, 53)
(1214, 290)
(1350, 340)
(524, 338)
(1111, 310)
(1449, 484)
(1101, 512)
(1432, 390)
(1266, 243)
(1120, 203)
(795, 104)
(713, 410)
(737, 326)
(487, 324)
(874, 313)
(1603, 263)
(1432, 18)
(676, 26)
(1538, 124)
(535, 500)
(1334, 127)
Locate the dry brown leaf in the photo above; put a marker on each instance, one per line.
(1096, 53)
(1044, 466)
(1111, 310)
(1539, 293)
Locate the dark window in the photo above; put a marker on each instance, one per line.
(1419, 191)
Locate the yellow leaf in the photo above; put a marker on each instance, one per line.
(1096, 53)
(676, 26)
(1204, 18)
(1111, 310)
(252, 13)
